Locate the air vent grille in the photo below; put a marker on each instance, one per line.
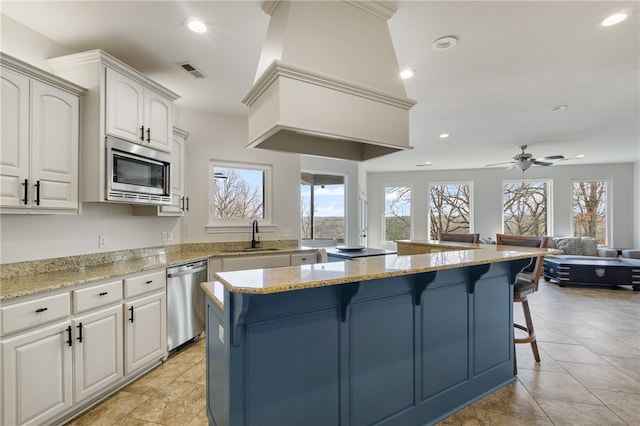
(188, 67)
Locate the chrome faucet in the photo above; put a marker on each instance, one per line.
(254, 230)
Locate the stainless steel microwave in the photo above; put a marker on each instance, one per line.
(137, 174)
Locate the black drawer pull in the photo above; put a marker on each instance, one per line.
(149, 282)
(26, 191)
(41, 310)
(131, 317)
(104, 293)
(148, 134)
(142, 133)
(70, 341)
(37, 185)
(79, 332)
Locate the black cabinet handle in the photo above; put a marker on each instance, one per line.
(70, 341)
(149, 282)
(182, 203)
(26, 191)
(79, 332)
(38, 193)
(142, 133)
(104, 293)
(148, 135)
(187, 203)
(131, 317)
(41, 310)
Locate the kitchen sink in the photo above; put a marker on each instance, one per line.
(249, 250)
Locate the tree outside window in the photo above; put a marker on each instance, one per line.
(397, 213)
(525, 208)
(449, 209)
(322, 201)
(238, 193)
(589, 215)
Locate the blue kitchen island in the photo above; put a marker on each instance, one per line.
(393, 340)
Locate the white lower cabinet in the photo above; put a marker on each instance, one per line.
(97, 351)
(145, 332)
(62, 350)
(37, 376)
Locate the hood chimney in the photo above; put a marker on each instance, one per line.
(328, 82)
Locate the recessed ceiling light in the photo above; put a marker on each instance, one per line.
(614, 19)
(196, 25)
(444, 43)
(557, 108)
(444, 135)
(426, 163)
(580, 156)
(407, 73)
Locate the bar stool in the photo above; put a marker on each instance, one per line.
(462, 238)
(526, 283)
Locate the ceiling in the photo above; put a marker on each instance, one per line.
(492, 92)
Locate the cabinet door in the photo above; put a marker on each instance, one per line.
(36, 375)
(178, 202)
(14, 154)
(145, 331)
(97, 351)
(125, 101)
(157, 120)
(54, 147)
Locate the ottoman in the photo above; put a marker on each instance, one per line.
(610, 272)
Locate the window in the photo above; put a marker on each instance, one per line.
(525, 207)
(589, 212)
(397, 213)
(322, 201)
(449, 208)
(238, 192)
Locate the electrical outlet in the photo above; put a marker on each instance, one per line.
(169, 236)
(163, 236)
(102, 241)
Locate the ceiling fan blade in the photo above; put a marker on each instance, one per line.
(542, 163)
(499, 164)
(552, 157)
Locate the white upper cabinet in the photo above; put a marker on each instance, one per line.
(40, 131)
(137, 113)
(179, 199)
(120, 102)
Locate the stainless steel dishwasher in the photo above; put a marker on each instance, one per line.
(185, 302)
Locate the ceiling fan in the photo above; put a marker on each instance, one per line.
(524, 160)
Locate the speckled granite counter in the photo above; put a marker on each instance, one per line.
(432, 246)
(44, 276)
(276, 280)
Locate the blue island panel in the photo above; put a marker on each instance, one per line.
(406, 350)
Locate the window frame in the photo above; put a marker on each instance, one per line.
(240, 225)
(385, 241)
(549, 201)
(608, 221)
(471, 203)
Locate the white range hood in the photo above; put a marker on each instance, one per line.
(328, 82)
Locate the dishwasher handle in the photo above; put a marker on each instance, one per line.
(186, 272)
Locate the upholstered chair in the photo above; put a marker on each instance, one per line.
(462, 238)
(526, 283)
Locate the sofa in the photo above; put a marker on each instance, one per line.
(583, 262)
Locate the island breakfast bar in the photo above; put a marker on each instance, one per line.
(394, 340)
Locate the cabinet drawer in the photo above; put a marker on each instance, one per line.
(34, 312)
(145, 283)
(303, 258)
(97, 296)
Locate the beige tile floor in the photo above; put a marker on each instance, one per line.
(589, 342)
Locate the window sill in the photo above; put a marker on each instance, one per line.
(231, 228)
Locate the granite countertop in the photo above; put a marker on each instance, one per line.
(40, 282)
(277, 280)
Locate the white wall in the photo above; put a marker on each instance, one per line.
(487, 198)
(223, 138)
